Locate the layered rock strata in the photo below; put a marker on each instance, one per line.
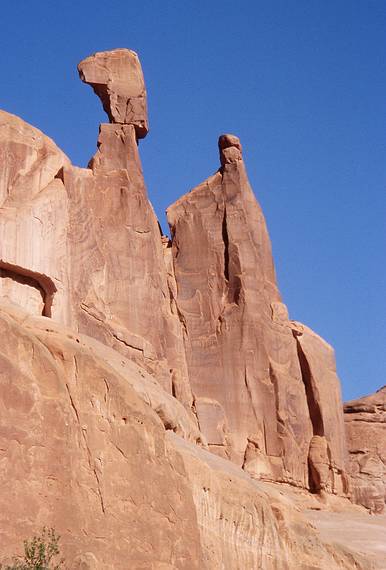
(365, 421)
(262, 385)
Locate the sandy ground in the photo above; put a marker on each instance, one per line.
(359, 532)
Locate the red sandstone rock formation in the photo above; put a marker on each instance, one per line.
(365, 421)
(261, 395)
(83, 245)
(107, 330)
(92, 445)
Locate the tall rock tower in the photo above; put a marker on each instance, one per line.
(259, 398)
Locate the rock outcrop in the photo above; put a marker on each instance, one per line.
(116, 77)
(365, 421)
(264, 387)
(152, 391)
(83, 245)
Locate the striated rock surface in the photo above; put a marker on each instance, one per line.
(83, 449)
(148, 385)
(365, 421)
(256, 400)
(83, 245)
(90, 445)
(33, 220)
(120, 293)
(327, 455)
(116, 77)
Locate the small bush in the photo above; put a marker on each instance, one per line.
(40, 553)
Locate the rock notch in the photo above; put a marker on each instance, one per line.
(116, 77)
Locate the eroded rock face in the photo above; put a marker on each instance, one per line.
(152, 354)
(243, 360)
(83, 450)
(116, 77)
(120, 293)
(33, 220)
(83, 245)
(365, 421)
(327, 454)
(91, 446)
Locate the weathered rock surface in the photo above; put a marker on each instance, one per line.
(119, 293)
(87, 447)
(83, 246)
(33, 220)
(116, 77)
(327, 455)
(353, 531)
(365, 421)
(126, 359)
(257, 402)
(83, 452)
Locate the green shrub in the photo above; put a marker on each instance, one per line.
(40, 553)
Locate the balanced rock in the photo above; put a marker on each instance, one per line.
(116, 77)
(365, 421)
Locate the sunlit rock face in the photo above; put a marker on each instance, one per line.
(92, 445)
(83, 245)
(149, 385)
(34, 263)
(365, 421)
(258, 402)
(116, 77)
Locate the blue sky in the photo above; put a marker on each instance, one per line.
(302, 83)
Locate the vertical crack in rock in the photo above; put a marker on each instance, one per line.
(275, 384)
(84, 437)
(319, 450)
(226, 245)
(313, 406)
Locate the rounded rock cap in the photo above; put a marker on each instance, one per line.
(230, 149)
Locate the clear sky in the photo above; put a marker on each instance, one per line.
(302, 83)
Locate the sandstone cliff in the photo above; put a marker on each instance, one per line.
(151, 391)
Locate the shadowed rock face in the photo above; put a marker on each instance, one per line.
(254, 401)
(365, 421)
(116, 77)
